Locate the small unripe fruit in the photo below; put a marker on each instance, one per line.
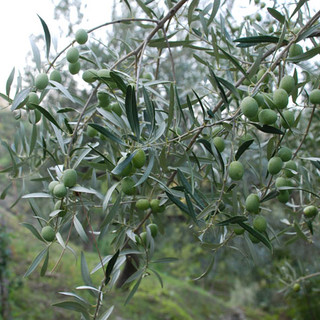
(103, 99)
(260, 73)
(128, 169)
(143, 237)
(296, 287)
(81, 36)
(314, 96)
(267, 116)
(275, 165)
(258, 17)
(73, 55)
(34, 117)
(282, 182)
(287, 83)
(310, 211)
(238, 231)
(60, 190)
(236, 170)
(289, 117)
(290, 165)
(143, 204)
(89, 75)
(103, 73)
(283, 196)
(260, 224)
(115, 107)
(155, 205)
(253, 238)
(74, 68)
(285, 154)
(259, 98)
(127, 185)
(32, 99)
(249, 107)
(153, 229)
(139, 159)
(69, 177)
(91, 132)
(280, 98)
(219, 143)
(55, 75)
(253, 203)
(48, 233)
(51, 186)
(295, 50)
(41, 81)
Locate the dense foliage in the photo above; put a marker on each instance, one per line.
(184, 115)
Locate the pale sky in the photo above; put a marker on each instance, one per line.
(19, 20)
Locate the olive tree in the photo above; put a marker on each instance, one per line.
(190, 112)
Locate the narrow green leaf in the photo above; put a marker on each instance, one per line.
(133, 291)
(110, 266)
(252, 41)
(9, 82)
(33, 138)
(221, 90)
(118, 80)
(146, 9)
(36, 262)
(20, 99)
(232, 220)
(267, 129)
(190, 208)
(297, 8)
(277, 15)
(234, 61)
(109, 217)
(309, 32)
(162, 43)
(171, 108)
(206, 144)
(123, 164)
(256, 234)
(300, 233)
(131, 110)
(244, 146)
(134, 276)
(305, 56)
(148, 170)
(150, 110)
(269, 196)
(106, 133)
(192, 7)
(79, 228)
(73, 295)
(178, 102)
(107, 314)
(5, 191)
(37, 195)
(229, 86)
(47, 36)
(215, 8)
(34, 231)
(209, 268)
(45, 265)
(85, 271)
(179, 204)
(157, 275)
(36, 54)
(48, 116)
(64, 90)
(74, 306)
(108, 196)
